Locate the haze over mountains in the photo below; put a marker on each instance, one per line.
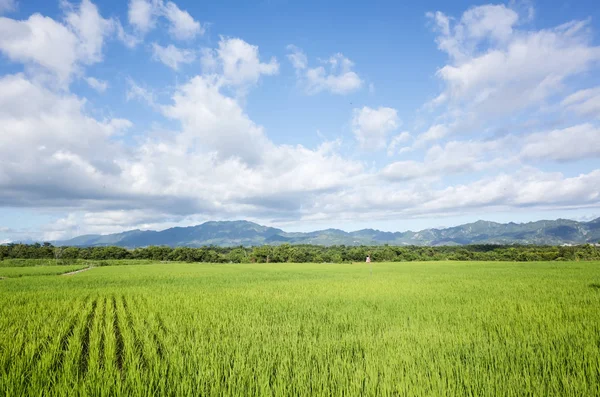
(235, 233)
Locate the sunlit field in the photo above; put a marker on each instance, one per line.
(38, 270)
(432, 328)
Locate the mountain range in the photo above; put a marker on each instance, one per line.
(235, 233)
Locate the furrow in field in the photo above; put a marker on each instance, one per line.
(137, 342)
(155, 325)
(102, 336)
(110, 358)
(120, 346)
(39, 351)
(65, 339)
(85, 340)
(155, 343)
(64, 345)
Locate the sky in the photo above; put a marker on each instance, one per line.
(304, 115)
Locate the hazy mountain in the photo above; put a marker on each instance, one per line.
(233, 233)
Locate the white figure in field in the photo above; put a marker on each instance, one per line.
(368, 258)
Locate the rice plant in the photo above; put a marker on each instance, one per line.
(435, 328)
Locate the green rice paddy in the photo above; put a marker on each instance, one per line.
(431, 328)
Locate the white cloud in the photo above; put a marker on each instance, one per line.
(454, 157)
(135, 91)
(129, 40)
(569, 144)
(90, 28)
(222, 164)
(212, 121)
(237, 62)
(572, 143)
(172, 56)
(96, 84)
(584, 102)
(536, 62)
(74, 151)
(183, 26)
(41, 42)
(526, 188)
(398, 140)
(143, 16)
(496, 68)
(337, 78)
(219, 163)
(297, 57)
(371, 127)
(7, 5)
(434, 133)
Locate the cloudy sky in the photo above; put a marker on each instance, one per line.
(296, 114)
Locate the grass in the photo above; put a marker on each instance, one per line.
(38, 270)
(433, 328)
(17, 262)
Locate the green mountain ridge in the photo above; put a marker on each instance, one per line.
(236, 233)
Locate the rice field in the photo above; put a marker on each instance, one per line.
(38, 270)
(431, 328)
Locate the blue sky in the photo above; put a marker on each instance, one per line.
(302, 115)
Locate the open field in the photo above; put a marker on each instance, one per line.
(434, 328)
(38, 270)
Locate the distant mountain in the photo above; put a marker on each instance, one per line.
(234, 233)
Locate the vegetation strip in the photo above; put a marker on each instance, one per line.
(19, 255)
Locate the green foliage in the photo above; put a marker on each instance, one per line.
(424, 328)
(304, 253)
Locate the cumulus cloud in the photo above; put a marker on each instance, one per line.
(143, 15)
(52, 150)
(526, 188)
(59, 49)
(452, 158)
(496, 67)
(96, 84)
(219, 162)
(237, 63)
(214, 122)
(584, 102)
(297, 57)
(433, 133)
(172, 56)
(336, 76)
(182, 25)
(398, 140)
(371, 127)
(572, 143)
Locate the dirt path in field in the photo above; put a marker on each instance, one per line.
(76, 271)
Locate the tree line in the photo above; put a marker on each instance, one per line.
(306, 253)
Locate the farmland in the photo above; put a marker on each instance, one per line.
(38, 270)
(410, 328)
